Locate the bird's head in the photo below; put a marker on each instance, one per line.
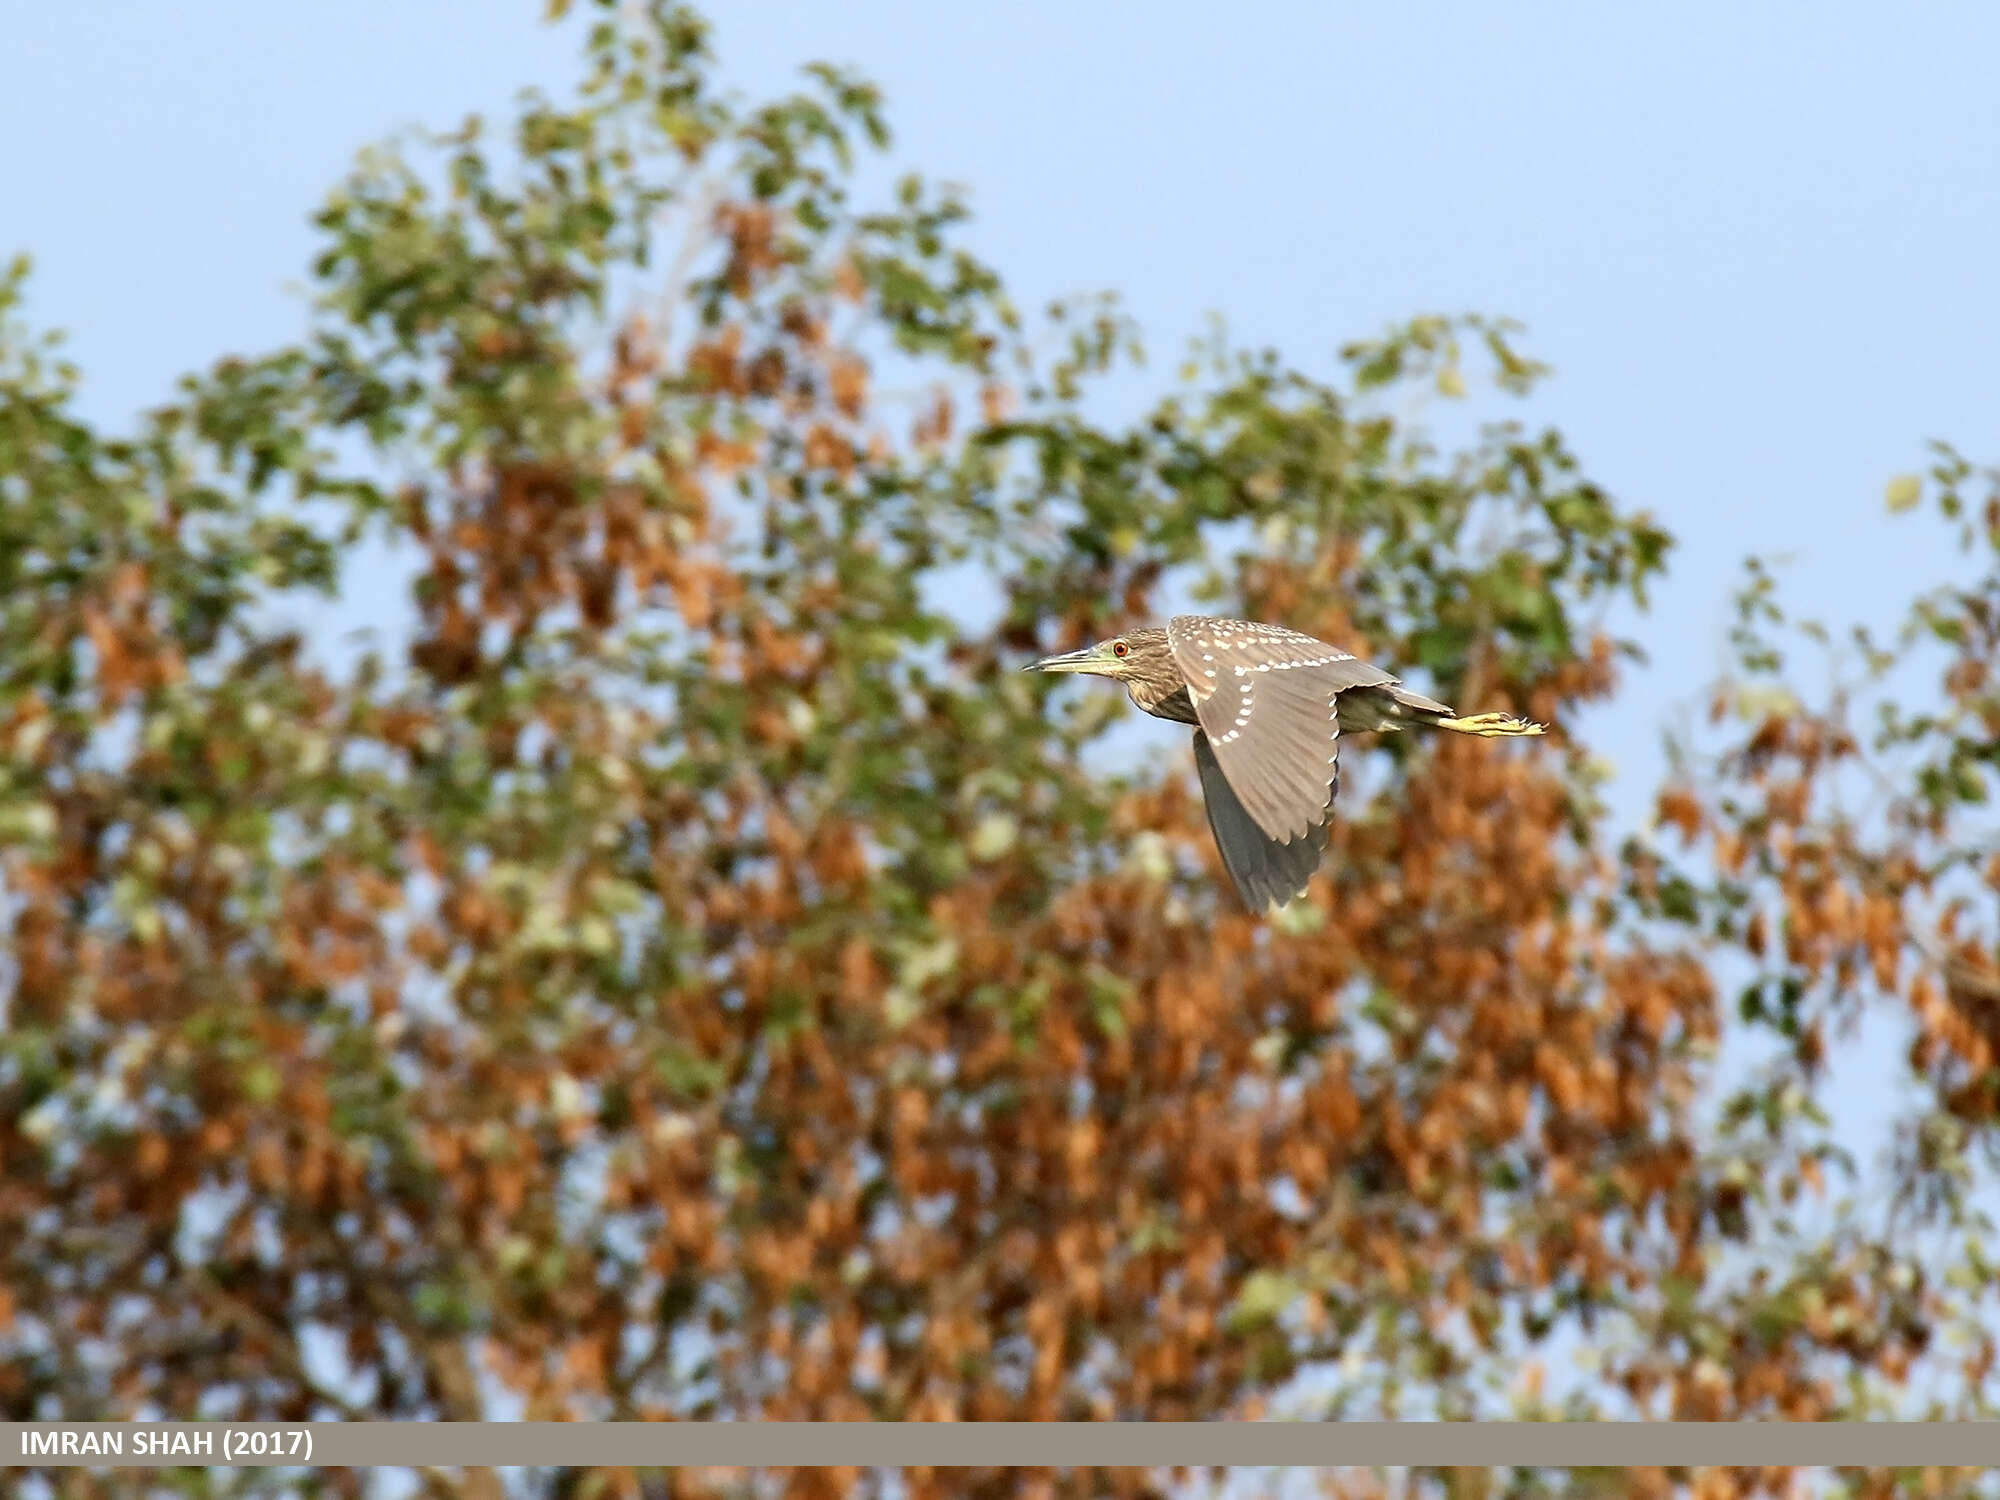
(1133, 657)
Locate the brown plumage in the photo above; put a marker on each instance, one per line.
(1268, 706)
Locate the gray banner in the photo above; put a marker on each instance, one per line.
(899, 1444)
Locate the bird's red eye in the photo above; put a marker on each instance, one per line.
(1119, 648)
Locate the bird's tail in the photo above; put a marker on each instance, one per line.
(1416, 708)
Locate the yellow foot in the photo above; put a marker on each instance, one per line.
(1491, 726)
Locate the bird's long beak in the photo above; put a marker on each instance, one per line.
(1070, 661)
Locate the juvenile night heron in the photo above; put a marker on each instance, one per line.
(1268, 706)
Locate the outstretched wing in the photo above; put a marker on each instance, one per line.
(1267, 699)
(1263, 869)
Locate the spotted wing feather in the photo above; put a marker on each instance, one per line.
(1267, 699)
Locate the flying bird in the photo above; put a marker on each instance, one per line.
(1268, 706)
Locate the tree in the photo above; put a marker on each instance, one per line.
(692, 974)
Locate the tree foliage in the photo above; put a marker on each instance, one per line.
(687, 972)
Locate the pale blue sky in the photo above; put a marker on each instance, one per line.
(1757, 242)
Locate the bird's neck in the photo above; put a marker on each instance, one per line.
(1163, 702)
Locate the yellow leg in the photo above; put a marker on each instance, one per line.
(1491, 726)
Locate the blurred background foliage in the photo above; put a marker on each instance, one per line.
(689, 973)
